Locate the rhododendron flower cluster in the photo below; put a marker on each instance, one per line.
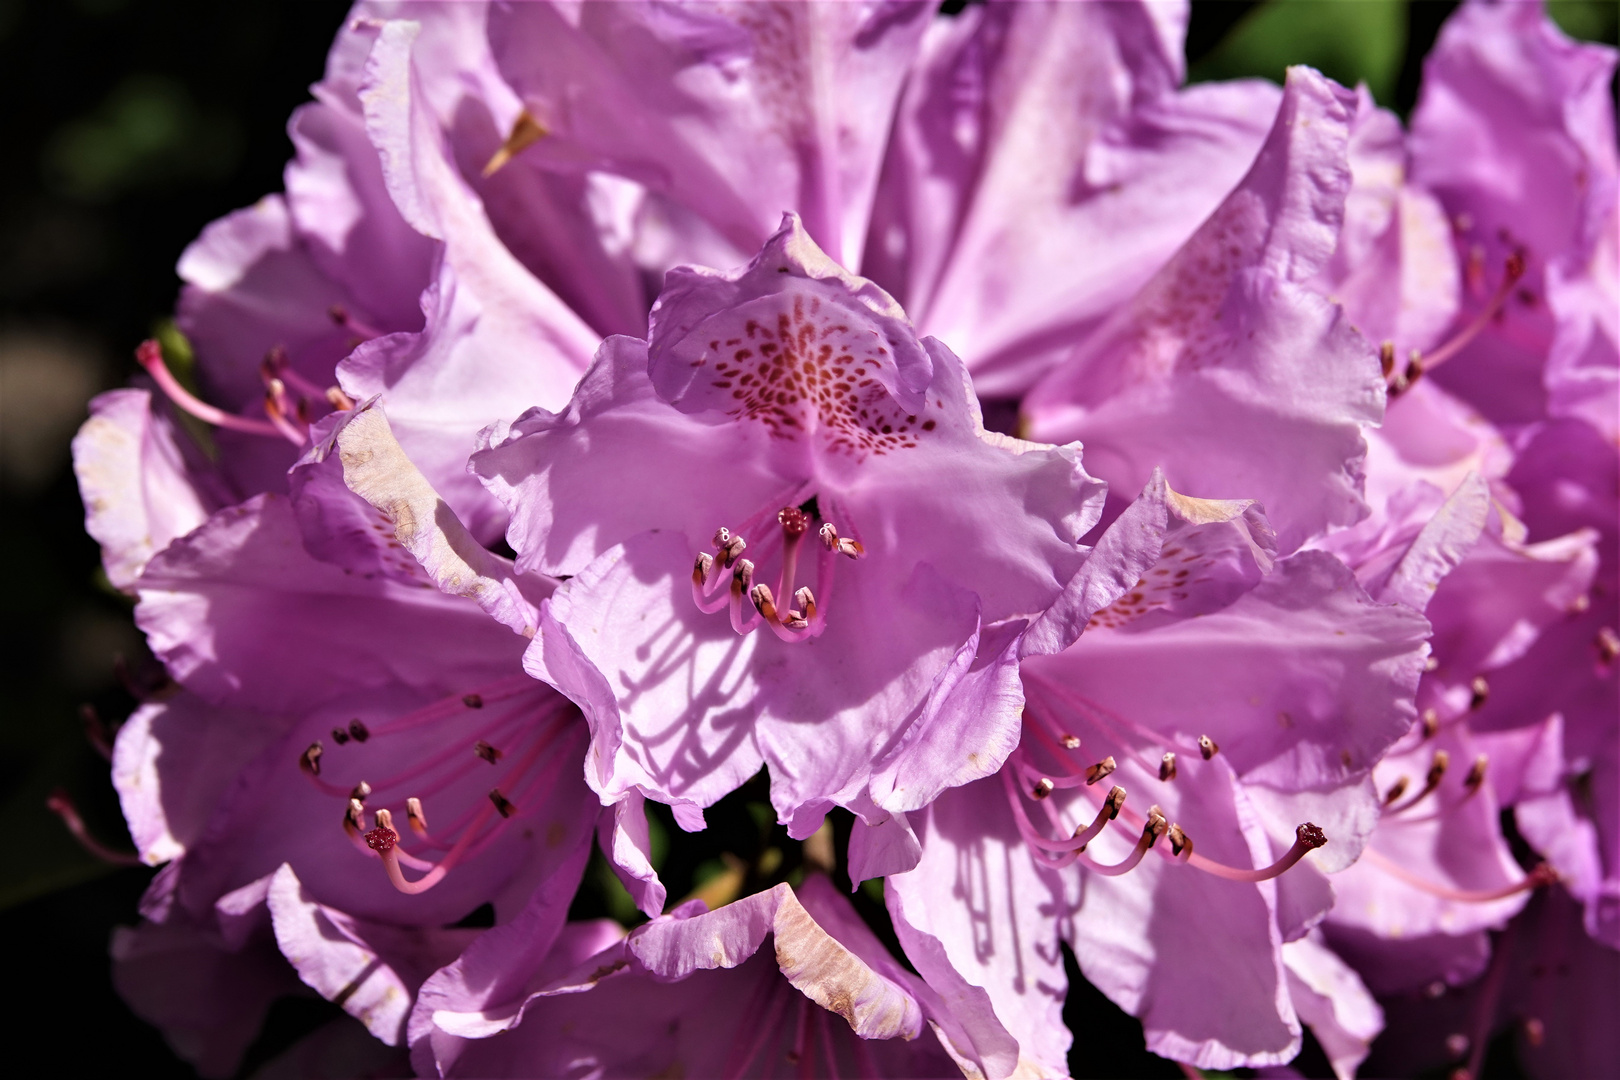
(596, 428)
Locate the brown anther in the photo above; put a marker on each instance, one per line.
(795, 522)
(354, 820)
(1580, 605)
(1396, 790)
(1043, 787)
(340, 736)
(842, 545)
(1070, 742)
(1608, 645)
(1534, 1030)
(701, 568)
(1476, 773)
(1431, 663)
(1115, 801)
(1310, 836)
(1413, 372)
(807, 604)
(360, 792)
(1157, 825)
(1481, 690)
(764, 602)
(505, 808)
(1101, 769)
(1386, 357)
(1513, 269)
(732, 550)
(1167, 767)
(414, 814)
(1437, 770)
(338, 314)
(526, 131)
(358, 731)
(722, 537)
(1179, 840)
(1207, 747)
(742, 576)
(310, 759)
(473, 701)
(339, 401)
(1431, 723)
(487, 752)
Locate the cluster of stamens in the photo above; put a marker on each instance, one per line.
(791, 624)
(529, 719)
(290, 399)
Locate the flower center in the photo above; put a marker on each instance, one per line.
(765, 604)
(523, 731)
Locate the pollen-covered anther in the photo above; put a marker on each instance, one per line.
(1476, 773)
(489, 753)
(358, 731)
(1043, 787)
(1108, 812)
(1179, 841)
(728, 546)
(1207, 747)
(1431, 723)
(503, 806)
(339, 401)
(1070, 742)
(361, 792)
(807, 608)
(763, 601)
(310, 759)
(843, 545)
(1396, 790)
(1480, 692)
(1607, 643)
(354, 818)
(1157, 825)
(1386, 358)
(1167, 767)
(701, 569)
(1100, 770)
(414, 815)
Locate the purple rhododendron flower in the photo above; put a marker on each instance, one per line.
(695, 305)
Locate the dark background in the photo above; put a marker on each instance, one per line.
(130, 124)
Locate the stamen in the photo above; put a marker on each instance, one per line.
(487, 752)
(1179, 842)
(807, 606)
(1437, 771)
(354, 821)
(1543, 874)
(1043, 788)
(473, 701)
(276, 365)
(276, 408)
(414, 814)
(95, 730)
(1307, 838)
(1476, 773)
(61, 804)
(1608, 645)
(339, 401)
(358, 731)
(1386, 358)
(1155, 827)
(1396, 790)
(1167, 767)
(1431, 723)
(1100, 770)
(1207, 747)
(505, 808)
(150, 356)
(1070, 742)
(1481, 691)
(742, 577)
(1512, 271)
(310, 759)
(340, 736)
(1109, 811)
(343, 317)
(842, 545)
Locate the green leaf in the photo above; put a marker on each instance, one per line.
(1347, 40)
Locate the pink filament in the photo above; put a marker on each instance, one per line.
(1541, 875)
(150, 355)
(62, 806)
(1511, 273)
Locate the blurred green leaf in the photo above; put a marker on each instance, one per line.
(1587, 20)
(1348, 40)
